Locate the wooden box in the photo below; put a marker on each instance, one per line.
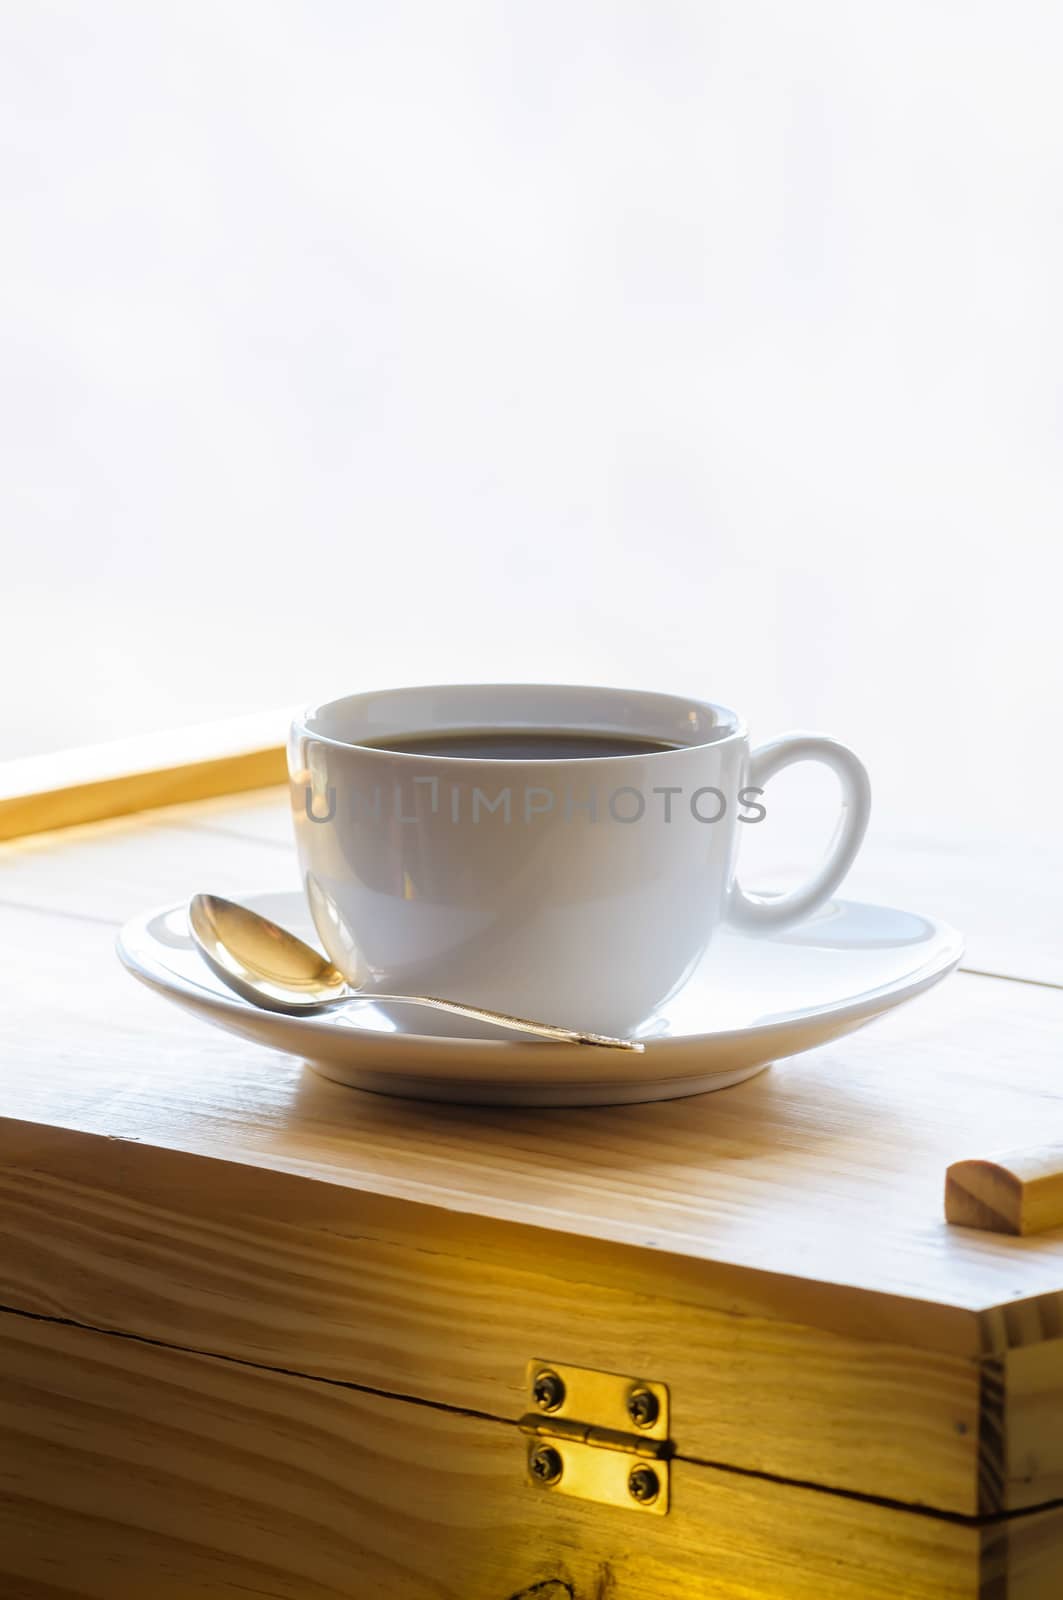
(266, 1336)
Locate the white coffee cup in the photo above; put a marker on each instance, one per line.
(580, 891)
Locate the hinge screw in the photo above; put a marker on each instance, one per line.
(643, 1407)
(545, 1464)
(644, 1485)
(548, 1391)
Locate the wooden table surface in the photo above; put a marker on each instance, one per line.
(806, 1202)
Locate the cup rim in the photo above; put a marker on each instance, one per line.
(734, 723)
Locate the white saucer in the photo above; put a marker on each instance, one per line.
(752, 1001)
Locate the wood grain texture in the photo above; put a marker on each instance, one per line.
(1021, 1558)
(1019, 1191)
(42, 793)
(133, 1471)
(218, 1271)
(1034, 1441)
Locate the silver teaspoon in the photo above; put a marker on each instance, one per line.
(271, 968)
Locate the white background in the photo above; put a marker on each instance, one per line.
(712, 346)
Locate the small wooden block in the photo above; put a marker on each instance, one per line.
(1018, 1192)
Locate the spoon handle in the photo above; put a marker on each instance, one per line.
(542, 1030)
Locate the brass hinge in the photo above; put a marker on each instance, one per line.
(598, 1436)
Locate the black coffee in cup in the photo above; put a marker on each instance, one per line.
(519, 744)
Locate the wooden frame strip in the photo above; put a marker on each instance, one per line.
(40, 793)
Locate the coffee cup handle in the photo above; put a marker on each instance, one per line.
(759, 913)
